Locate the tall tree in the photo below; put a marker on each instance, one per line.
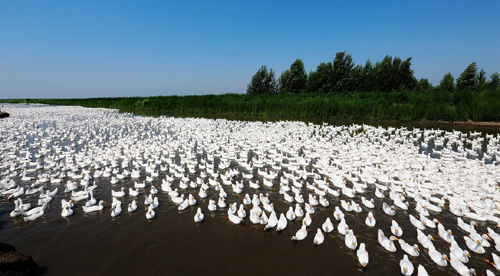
(384, 77)
(494, 82)
(394, 74)
(341, 78)
(447, 83)
(468, 79)
(366, 80)
(263, 82)
(294, 80)
(318, 80)
(424, 85)
(407, 80)
(481, 79)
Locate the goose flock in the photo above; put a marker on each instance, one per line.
(73, 161)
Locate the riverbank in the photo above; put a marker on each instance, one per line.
(463, 107)
(488, 127)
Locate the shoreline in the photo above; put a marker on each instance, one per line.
(465, 124)
(491, 125)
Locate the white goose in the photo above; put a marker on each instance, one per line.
(182, 206)
(368, 203)
(445, 234)
(466, 227)
(370, 220)
(298, 211)
(133, 192)
(387, 243)
(301, 234)
(417, 223)
(282, 223)
(474, 246)
(338, 214)
(234, 218)
(406, 266)
(17, 211)
(389, 210)
(94, 208)
(307, 220)
(92, 201)
(350, 240)
(290, 214)
(272, 221)
(343, 228)
(438, 258)
(132, 207)
(327, 226)
(150, 214)
(362, 254)
(66, 212)
(34, 216)
(346, 205)
(319, 238)
(461, 268)
(199, 216)
(396, 229)
(458, 253)
(120, 193)
(412, 250)
(424, 240)
(211, 205)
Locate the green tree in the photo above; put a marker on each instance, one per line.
(366, 77)
(424, 85)
(468, 79)
(294, 80)
(394, 74)
(494, 82)
(481, 79)
(407, 80)
(447, 83)
(318, 80)
(263, 82)
(341, 77)
(384, 77)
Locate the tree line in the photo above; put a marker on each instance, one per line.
(343, 75)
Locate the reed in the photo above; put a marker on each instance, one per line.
(433, 105)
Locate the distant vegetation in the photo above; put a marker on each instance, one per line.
(385, 90)
(342, 75)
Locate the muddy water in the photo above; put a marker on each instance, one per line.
(173, 244)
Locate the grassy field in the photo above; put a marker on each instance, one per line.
(403, 106)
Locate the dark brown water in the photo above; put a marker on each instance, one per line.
(173, 244)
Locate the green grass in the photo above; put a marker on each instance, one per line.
(404, 106)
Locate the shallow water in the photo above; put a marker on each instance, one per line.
(173, 244)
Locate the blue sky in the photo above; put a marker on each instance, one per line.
(66, 49)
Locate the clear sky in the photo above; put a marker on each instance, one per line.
(66, 49)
